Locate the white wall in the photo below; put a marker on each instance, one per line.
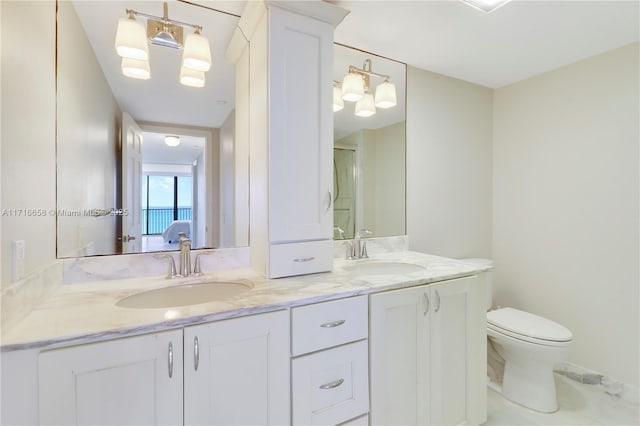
(226, 169)
(449, 172)
(566, 195)
(390, 180)
(89, 121)
(28, 131)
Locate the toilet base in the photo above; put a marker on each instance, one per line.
(530, 387)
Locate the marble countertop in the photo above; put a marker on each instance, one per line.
(84, 313)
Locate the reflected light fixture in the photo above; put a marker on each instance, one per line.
(172, 140)
(338, 103)
(136, 68)
(486, 6)
(355, 88)
(132, 44)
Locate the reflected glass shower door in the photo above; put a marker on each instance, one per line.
(344, 190)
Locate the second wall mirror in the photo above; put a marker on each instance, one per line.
(369, 145)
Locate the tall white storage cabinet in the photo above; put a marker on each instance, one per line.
(291, 133)
(428, 354)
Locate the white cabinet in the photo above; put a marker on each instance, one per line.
(427, 347)
(300, 128)
(236, 372)
(330, 369)
(132, 381)
(291, 130)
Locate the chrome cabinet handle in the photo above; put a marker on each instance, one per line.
(330, 201)
(333, 384)
(170, 359)
(333, 324)
(425, 302)
(196, 353)
(437, 301)
(304, 259)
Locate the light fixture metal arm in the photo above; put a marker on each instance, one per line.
(165, 19)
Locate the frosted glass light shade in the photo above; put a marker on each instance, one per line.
(365, 106)
(172, 140)
(338, 104)
(136, 68)
(131, 40)
(352, 87)
(197, 54)
(386, 95)
(192, 78)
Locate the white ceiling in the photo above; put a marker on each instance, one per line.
(156, 151)
(521, 39)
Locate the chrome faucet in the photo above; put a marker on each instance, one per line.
(358, 248)
(184, 244)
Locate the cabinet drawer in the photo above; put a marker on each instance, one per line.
(328, 324)
(331, 386)
(286, 260)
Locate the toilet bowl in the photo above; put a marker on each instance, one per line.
(530, 346)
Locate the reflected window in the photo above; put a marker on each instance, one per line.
(165, 199)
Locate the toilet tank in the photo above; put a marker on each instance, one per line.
(488, 276)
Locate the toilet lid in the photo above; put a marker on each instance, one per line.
(530, 325)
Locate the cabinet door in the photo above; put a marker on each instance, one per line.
(132, 381)
(451, 326)
(300, 128)
(399, 357)
(238, 371)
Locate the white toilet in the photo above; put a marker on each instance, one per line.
(530, 346)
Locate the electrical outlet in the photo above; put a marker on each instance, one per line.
(18, 260)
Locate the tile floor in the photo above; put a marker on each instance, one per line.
(580, 404)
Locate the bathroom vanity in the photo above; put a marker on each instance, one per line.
(358, 343)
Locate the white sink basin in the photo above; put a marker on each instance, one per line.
(184, 295)
(383, 268)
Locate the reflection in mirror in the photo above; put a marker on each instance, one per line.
(141, 160)
(369, 151)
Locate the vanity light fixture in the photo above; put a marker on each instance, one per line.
(486, 6)
(355, 88)
(132, 45)
(172, 140)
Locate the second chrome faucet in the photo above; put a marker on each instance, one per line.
(358, 248)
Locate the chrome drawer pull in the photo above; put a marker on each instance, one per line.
(170, 359)
(333, 324)
(425, 302)
(333, 384)
(437, 301)
(304, 259)
(196, 353)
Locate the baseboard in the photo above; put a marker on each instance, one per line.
(624, 391)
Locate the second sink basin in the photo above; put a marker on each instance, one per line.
(184, 295)
(383, 268)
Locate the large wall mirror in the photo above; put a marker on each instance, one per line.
(141, 160)
(369, 151)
